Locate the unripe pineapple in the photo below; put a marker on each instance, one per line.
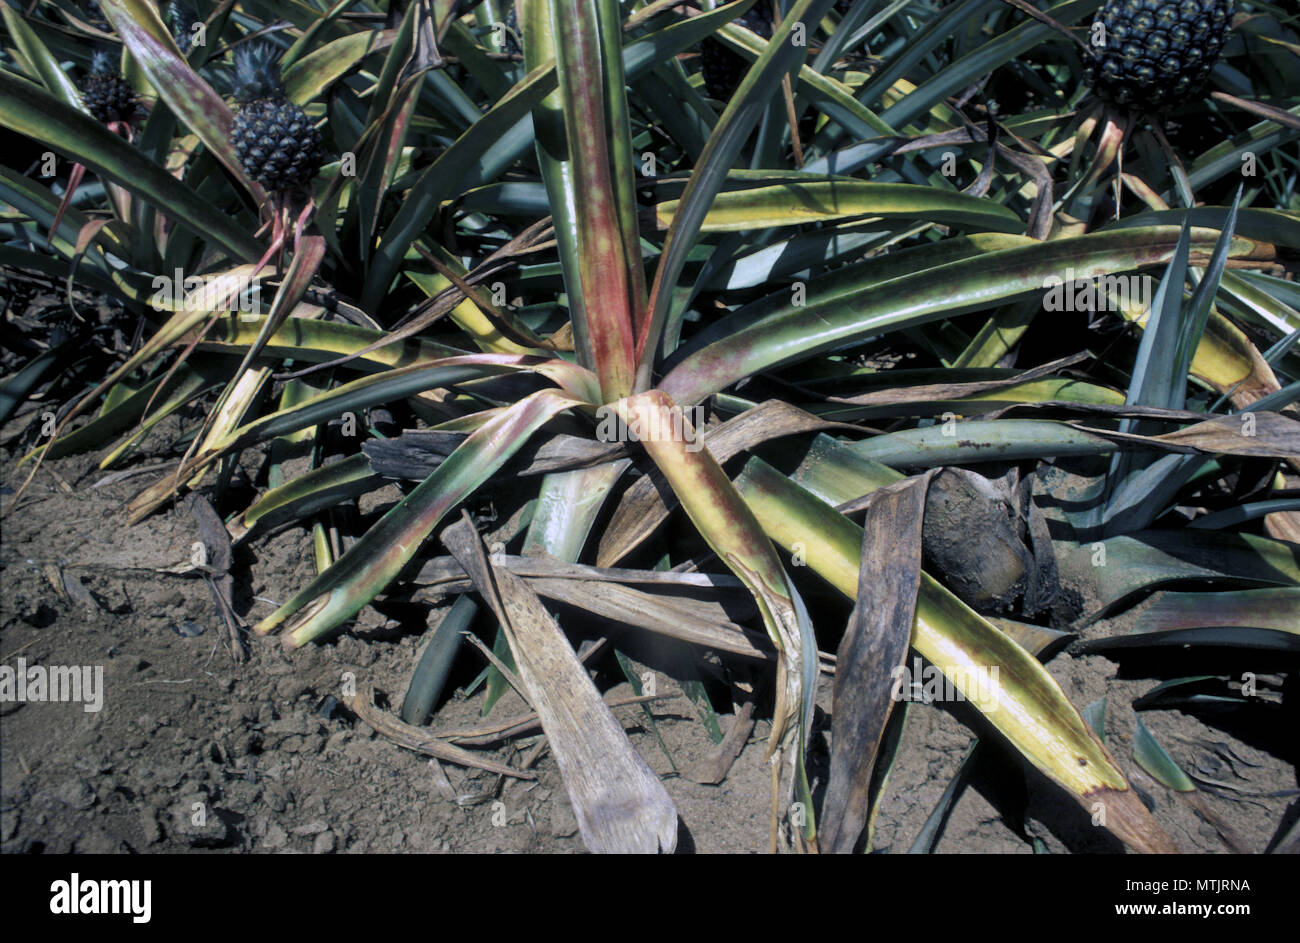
(723, 68)
(109, 97)
(1154, 54)
(275, 141)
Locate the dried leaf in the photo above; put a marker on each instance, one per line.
(875, 644)
(620, 804)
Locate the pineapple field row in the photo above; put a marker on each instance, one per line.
(644, 426)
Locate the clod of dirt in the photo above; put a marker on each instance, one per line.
(76, 794)
(195, 820)
(973, 538)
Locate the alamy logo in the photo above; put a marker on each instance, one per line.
(669, 425)
(929, 684)
(206, 293)
(1096, 293)
(82, 684)
(76, 896)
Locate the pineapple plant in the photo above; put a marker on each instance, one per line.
(109, 97)
(276, 142)
(387, 308)
(1152, 55)
(723, 68)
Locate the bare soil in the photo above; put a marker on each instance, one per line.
(193, 752)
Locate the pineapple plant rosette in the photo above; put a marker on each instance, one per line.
(509, 260)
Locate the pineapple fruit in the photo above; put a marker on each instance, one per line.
(109, 97)
(1153, 55)
(276, 143)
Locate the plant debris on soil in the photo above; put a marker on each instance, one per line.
(265, 749)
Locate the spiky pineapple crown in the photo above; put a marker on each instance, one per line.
(103, 63)
(257, 73)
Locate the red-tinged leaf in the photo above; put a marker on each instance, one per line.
(604, 258)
